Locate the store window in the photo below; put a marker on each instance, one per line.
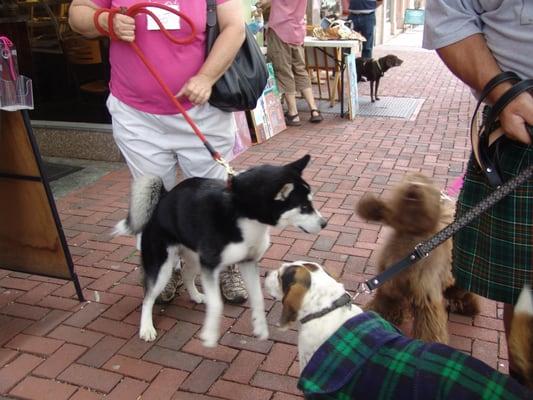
(70, 73)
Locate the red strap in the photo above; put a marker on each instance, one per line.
(142, 8)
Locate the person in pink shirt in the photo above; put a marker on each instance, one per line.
(285, 36)
(152, 135)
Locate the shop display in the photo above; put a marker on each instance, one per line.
(335, 29)
(243, 139)
(267, 119)
(16, 91)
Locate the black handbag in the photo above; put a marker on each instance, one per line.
(244, 81)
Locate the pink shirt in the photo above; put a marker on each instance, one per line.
(132, 83)
(287, 20)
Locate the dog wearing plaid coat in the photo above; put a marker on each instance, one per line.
(416, 211)
(345, 353)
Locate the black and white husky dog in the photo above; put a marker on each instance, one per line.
(212, 225)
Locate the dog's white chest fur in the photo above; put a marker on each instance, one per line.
(256, 240)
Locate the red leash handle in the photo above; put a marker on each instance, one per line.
(142, 8)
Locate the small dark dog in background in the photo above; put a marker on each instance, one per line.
(373, 69)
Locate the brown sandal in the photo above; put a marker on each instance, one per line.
(290, 120)
(316, 116)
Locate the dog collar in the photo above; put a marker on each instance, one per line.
(340, 302)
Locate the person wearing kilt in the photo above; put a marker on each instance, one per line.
(477, 40)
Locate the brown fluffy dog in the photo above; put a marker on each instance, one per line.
(415, 212)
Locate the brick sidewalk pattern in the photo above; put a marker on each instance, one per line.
(53, 347)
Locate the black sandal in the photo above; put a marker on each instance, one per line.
(316, 117)
(290, 120)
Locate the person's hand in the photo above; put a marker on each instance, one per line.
(514, 117)
(123, 25)
(197, 89)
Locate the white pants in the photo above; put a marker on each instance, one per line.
(156, 144)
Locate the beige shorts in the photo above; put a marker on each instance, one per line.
(289, 64)
(158, 144)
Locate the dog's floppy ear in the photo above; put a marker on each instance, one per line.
(295, 282)
(285, 192)
(372, 208)
(299, 165)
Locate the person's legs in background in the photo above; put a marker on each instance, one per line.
(365, 25)
(279, 53)
(303, 83)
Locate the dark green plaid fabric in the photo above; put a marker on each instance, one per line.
(368, 358)
(493, 256)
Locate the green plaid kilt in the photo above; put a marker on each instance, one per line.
(493, 256)
(368, 358)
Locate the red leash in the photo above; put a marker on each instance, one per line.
(142, 8)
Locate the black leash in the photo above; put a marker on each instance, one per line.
(503, 189)
(344, 300)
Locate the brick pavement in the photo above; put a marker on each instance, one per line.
(52, 347)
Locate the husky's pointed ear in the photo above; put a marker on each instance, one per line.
(299, 165)
(296, 281)
(285, 192)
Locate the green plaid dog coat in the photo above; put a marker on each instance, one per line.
(493, 255)
(368, 358)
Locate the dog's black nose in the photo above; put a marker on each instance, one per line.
(323, 223)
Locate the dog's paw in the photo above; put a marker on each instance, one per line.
(147, 334)
(198, 298)
(377, 98)
(260, 328)
(261, 333)
(209, 339)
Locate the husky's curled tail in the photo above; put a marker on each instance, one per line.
(145, 194)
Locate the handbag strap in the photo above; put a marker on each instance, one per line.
(211, 29)
(211, 13)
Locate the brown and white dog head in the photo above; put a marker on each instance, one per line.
(304, 288)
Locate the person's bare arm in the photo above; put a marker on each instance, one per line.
(81, 13)
(229, 41)
(471, 61)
